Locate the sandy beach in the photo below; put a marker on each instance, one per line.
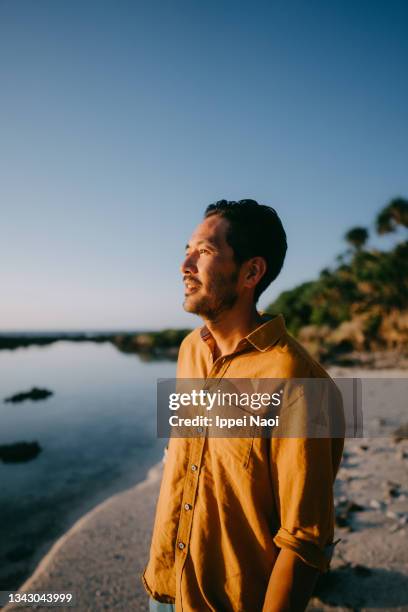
(101, 557)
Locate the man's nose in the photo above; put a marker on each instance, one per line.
(189, 265)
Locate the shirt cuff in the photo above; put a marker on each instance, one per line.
(153, 594)
(308, 551)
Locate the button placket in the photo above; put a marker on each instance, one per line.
(219, 368)
(191, 482)
(189, 494)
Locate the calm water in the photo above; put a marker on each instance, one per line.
(98, 435)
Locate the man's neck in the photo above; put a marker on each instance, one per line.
(231, 327)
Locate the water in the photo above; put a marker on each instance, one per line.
(97, 433)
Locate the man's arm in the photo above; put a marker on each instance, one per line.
(291, 584)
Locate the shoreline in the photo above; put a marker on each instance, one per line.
(148, 345)
(164, 345)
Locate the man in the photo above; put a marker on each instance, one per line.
(242, 524)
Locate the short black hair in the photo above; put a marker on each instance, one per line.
(255, 230)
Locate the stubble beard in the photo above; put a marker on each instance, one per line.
(221, 296)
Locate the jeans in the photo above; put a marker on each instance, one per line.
(157, 606)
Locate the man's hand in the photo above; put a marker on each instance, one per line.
(290, 585)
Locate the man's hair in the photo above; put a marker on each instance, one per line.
(255, 230)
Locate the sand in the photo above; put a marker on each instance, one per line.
(101, 557)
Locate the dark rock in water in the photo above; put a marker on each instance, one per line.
(35, 394)
(19, 451)
(401, 432)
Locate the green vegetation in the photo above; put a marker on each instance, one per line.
(362, 303)
(156, 344)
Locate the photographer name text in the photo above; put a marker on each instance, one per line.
(223, 422)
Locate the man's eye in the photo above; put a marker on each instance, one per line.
(203, 251)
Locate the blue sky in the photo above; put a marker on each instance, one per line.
(121, 121)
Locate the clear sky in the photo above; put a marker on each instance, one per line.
(122, 120)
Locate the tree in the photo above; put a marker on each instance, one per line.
(394, 214)
(365, 284)
(357, 237)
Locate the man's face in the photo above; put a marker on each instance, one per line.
(209, 270)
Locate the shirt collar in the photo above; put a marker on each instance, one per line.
(268, 333)
(263, 337)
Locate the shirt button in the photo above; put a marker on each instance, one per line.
(193, 468)
(181, 545)
(187, 507)
(200, 429)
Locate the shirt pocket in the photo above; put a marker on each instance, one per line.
(231, 453)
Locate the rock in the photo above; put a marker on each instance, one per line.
(344, 507)
(380, 422)
(392, 483)
(347, 505)
(19, 452)
(342, 520)
(375, 504)
(401, 432)
(393, 488)
(35, 394)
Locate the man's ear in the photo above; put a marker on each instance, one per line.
(255, 270)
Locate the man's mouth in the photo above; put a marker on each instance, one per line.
(190, 287)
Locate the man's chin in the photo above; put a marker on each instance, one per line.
(195, 304)
(190, 306)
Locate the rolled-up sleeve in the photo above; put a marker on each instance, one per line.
(303, 471)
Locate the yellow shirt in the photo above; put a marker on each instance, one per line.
(227, 505)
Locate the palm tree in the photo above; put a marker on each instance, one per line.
(394, 214)
(357, 237)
